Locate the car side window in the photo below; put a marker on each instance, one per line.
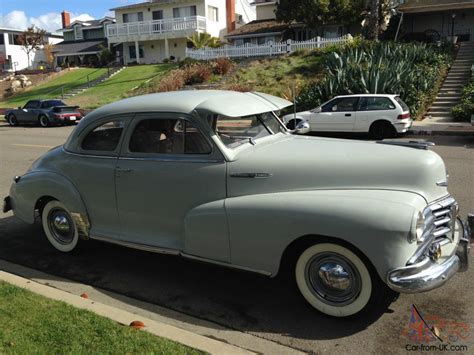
(376, 104)
(32, 104)
(167, 136)
(104, 138)
(341, 105)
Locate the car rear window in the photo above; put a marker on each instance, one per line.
(402, 104)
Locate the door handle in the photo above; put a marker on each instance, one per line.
(122, 170)
(348, 114)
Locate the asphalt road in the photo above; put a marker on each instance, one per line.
(268, 308)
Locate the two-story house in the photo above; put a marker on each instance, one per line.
(83, 40)
(446, 17)
(12, 54)
(154, 30)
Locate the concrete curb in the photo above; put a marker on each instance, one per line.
(163, 330)
(428, 132)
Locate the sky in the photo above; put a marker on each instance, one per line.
(46, 14)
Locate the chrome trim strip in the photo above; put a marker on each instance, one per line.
(136, 246)
(186, 160)
(221, 263)
(251, 175)
(90, 155)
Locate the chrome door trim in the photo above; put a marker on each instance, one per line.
(174, 160)
(251, 175)
(143, 247)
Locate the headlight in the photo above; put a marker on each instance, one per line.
(420, 226)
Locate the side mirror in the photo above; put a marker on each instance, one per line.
(302, 128)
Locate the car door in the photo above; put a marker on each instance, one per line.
(29, 111)
(338, 115)
(372, 109)
(166, 169)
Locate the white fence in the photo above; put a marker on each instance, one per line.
(265, 50)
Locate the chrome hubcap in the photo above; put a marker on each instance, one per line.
(333, 279)
(61, 226)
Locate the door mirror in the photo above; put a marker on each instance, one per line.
(19, 107)
(302, 128)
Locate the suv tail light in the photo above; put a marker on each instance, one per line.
(402, 117)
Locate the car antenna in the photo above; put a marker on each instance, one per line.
(294, 101)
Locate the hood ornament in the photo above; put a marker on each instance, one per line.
(409, 144)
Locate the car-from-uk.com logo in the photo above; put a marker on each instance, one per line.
(434, 333)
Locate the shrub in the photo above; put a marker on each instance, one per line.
(186, 62)
(197, 73)
(175, 80)
(241, 87)
(222, 66)
(465, 109)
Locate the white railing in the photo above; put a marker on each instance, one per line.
(193, 23)
(264, 50)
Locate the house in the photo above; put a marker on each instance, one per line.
(12, 54)
(155, 30)
(83, 40)
(441, 17)
(266, 28)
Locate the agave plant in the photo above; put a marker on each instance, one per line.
(204, 39)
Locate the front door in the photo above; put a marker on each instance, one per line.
(167, 167)
(338, 115)
(29, 113)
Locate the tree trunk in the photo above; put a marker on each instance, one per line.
(373, 20)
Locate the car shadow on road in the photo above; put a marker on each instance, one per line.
(234, 299)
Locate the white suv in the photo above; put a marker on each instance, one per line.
(382, 116)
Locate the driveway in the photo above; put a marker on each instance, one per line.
(268, 308)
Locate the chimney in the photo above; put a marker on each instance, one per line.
(230, 11)
(66, 17)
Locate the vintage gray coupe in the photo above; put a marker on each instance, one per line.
(215, 176)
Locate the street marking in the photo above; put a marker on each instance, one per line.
(34, 145)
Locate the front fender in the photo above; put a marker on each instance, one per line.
(377, 222)
(36, 184)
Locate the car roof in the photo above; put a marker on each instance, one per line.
(369, 95)
(228, 103)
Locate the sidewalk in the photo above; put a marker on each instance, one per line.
(429, 127)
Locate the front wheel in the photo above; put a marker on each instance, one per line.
(336, 281)
(59, 226)
(12, 120)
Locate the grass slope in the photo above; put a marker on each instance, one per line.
(120, 85)
(32, 324)
(278, 75)
(52, 88)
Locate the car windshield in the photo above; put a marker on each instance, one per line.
(235, 131)
(52, 103)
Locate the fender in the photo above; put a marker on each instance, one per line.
(36, 184)
(377, 222)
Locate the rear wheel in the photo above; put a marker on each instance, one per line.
(382, 130)
(336, 281)
(12, 120)
(59, 226)
(43, 121)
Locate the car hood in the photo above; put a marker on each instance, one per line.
(313, 163)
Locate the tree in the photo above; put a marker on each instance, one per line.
(106, 55)
(49, 54)
(200, 40)
(315, 13)
(372, 21)
(31, 40)
(377, 17)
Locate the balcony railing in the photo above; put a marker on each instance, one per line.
(156, 27)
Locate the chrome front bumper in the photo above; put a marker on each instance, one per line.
(427, 275)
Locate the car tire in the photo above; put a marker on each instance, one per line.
(59, 226)
(382, 130)
(12, 120)
(291, 125)
(336, 281)
(43, 121)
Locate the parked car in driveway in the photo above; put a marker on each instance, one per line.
(215, 176)
(382, 116)
(44, 113)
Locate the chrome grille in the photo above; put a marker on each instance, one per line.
(440, 219)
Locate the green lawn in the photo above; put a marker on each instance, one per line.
(120, 85)
(52, 88)
(277, 75)
(32, 324)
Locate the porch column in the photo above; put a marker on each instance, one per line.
(137, 52)
(167, 48)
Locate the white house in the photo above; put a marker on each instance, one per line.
(12, 55)
(151, 31)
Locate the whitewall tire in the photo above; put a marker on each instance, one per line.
(334, 280)
(59, 226)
